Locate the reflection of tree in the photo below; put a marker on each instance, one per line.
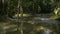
(29, 6)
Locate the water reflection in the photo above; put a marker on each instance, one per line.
(35, 25)
(47, 31)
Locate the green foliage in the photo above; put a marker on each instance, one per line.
(29, 6)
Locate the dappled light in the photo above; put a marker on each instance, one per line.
(29, 16)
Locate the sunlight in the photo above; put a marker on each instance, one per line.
(56, 11)
(24, 15)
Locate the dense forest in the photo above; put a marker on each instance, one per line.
(29, 6)
(29, 16)
(12, 7)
